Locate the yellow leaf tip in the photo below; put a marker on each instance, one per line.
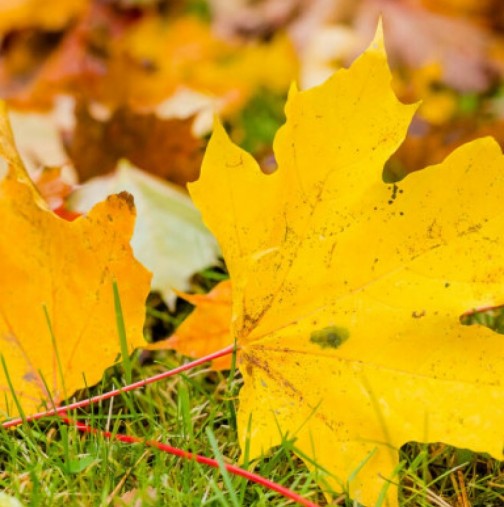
(377, 44)
(219, 134)
(218, 129)
(293, 91)
(216, 122)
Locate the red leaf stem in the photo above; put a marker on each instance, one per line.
(115, 392)
(233, 469)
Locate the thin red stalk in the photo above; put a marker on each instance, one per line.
(233, 469)
(482, 309)
(115, 392)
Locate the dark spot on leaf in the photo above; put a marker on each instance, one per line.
(418, 315)
(149, 65)
(330, 336)
(128, 200)
(446, 285)
(30, 377)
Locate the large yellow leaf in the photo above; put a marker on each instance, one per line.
(347, 291)
(58, 275)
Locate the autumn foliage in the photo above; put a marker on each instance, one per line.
(351, 267)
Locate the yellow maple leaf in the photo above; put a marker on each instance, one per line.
(348, 291)
(57, 321)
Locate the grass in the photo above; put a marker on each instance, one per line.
(47, 462)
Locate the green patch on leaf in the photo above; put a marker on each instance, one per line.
(330, 336)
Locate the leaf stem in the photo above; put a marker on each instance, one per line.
(233, 469)
(116, 392)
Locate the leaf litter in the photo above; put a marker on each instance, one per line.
(334, 338)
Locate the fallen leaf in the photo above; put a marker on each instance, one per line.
(480, 9)
(439, 104)
(38, 148)
(9, 501)
(38, 140)
(41, 151)
(438, 141)
(10, 160)
(207, 327)
(57, 321)
(159, 57)
(185, 103)
(348, 291)
(169, 239)
(23, 54)
(49, 14)
(75, 64)
(417, 37)
(165, 148)
(324, 52)
(301, 18)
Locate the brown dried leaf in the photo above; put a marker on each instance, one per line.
(165, 148)
(433, 146)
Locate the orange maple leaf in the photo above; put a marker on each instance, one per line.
(207, 329)
(57, 320)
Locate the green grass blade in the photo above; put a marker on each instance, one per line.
(56, 352)
(222, 467)
(121, 330)
(11, 388)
